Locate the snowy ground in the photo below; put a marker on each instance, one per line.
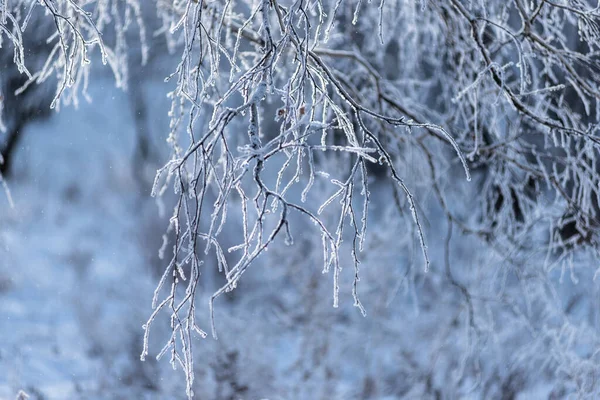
(73, 280)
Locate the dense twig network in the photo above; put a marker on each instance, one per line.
(513, 85)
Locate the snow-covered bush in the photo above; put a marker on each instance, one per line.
(471, 126)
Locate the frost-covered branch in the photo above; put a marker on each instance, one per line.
(285, 112)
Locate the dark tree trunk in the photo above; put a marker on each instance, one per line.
(8, 151)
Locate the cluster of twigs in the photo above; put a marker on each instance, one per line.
(512, 84)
